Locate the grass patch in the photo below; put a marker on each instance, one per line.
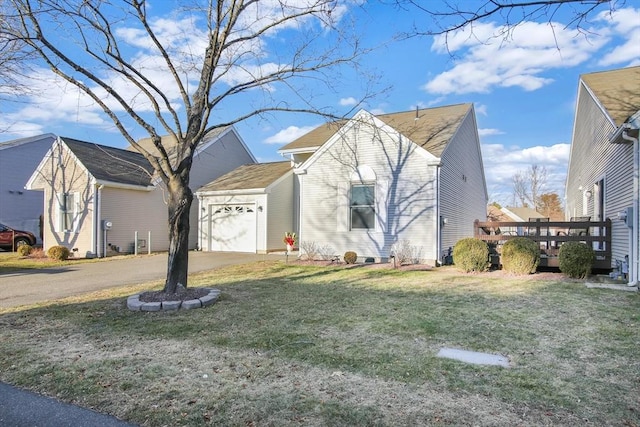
(12, 261)
(301, 345)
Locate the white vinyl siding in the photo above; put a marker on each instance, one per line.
(405, 195)
(594, 158)
(463, 195)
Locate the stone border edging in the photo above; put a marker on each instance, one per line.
(134, 303)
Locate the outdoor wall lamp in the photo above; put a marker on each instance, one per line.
(588, 194)
(259, 208)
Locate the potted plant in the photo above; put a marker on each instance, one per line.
(290, 241)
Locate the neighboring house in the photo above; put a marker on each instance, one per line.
(521, 214)
(366, 183)
(97, 197)
(602, 178)
(248, 209)
(513, 214)
(19, 208)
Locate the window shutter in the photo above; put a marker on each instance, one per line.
(75, 209)
(382, 191)
(342, 207)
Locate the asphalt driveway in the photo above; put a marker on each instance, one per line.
(33, 286)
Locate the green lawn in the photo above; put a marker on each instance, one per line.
(290, 344)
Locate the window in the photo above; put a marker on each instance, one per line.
(362, 206)
(68, 211)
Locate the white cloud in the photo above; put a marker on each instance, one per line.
(502, 163)
(489, 132)
(289, 134)
(626, 23)
(489, 59)
(348, 102)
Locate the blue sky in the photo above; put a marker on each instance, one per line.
(523, 88)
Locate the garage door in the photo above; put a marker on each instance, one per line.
(232, 228)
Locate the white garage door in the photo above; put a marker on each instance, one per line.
(232, 228)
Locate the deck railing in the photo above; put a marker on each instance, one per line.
(550, 235)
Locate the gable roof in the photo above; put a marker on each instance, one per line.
(618, 91)
(429, 128)
(18, 142)
(522, 213)
(249, 177)
(111, 164)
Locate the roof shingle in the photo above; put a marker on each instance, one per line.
(112, 164)
(617, 90)
(248, 177)
(430, 128)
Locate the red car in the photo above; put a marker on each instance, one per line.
(11, 239)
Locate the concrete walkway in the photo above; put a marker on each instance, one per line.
(33, 286)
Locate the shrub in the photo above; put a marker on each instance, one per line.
(24, 250)
(576, 259)
(520, 256)
(310, 249)
(59, 253)
(471, 255)
(405, 253)
(313, 251)
(350, 257)
(326, 252)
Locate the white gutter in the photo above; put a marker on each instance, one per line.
(635, 227)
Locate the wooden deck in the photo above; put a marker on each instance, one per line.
(550, 236)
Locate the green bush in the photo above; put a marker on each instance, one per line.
(350, 257)
(59, 253)
(520, 256)
(24, 250)
(471, 255)
(576, 259)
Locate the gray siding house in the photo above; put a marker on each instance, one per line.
(366, 183)
(602, 178)
(87, 185)
(19, 208)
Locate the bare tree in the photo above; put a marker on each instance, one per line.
(528, 185)
(451, 16)
(180, 80)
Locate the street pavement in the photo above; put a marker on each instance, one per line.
(21, 408)
(34, 286)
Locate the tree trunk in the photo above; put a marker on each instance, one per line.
(180, 198)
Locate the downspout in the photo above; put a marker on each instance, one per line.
(439, 219)
(98, 228)
(635, 225)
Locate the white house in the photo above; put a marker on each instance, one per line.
(371, 181)
(602, 178)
